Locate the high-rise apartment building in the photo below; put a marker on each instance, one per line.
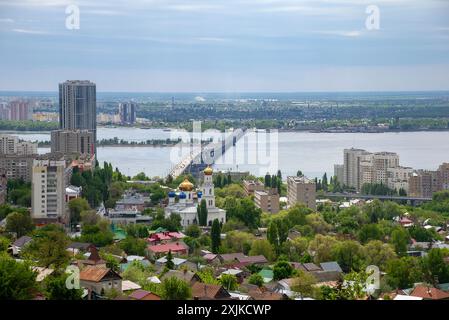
(73, 141)
(424, 183)
(127, 112)
(77, 105)
(20, 110)
(49, 180)
(361, 167)
(352, 174)
(301, 190)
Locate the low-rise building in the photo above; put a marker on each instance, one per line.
(100, 280)
(267, 201)
(251, 186)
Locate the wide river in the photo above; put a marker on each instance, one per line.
(313, 153)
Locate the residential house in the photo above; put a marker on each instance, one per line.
(144, 295)
(128, 286)
(429, 293)
(19, 244)
(203, 291)
(179, 248)
(185, 275)
(98, 279)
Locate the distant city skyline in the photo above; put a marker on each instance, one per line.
(226, 45)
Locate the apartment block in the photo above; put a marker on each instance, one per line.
(267, 201)
(73, 141)
(301, 190)
(50, 177)
(251, 186)
(127, 112)
(11, 145)
(17, 167)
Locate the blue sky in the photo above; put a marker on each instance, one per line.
(226, 45)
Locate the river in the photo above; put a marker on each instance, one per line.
(313, 153)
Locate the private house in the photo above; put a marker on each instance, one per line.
(185, 275)
(98, 279)
(164, 237)
(93, 259)
(129, 286)
(76, 247)
(240, 260)
(143, 295)
(429, 293)
(177, 248)
(19, 244)
(176, 261)
(212, 258)
(260, 294)
(202, 291)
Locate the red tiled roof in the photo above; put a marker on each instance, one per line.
(174, 247)
(426, 292)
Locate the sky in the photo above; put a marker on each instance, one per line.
(226, 45)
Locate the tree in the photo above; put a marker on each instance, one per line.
(170, 264)
(277, 233)
(133, 246)
(370, 232)
(322, 248)
(202, 213)
(435, 269)
(56, 289)
(304, 283)
(403, 272)
(19, 223)
(400, 239)
(193, 231)
(264, 248)
(349, 255)
(175, 289)
(4, 244)
(299, 173)
(267, 180)
(282, 270)
(76, 206)
(49, 248)
(215, 236)
(256, 279)
(378, 253)
(238, 241)
(17, 280)
(229, 282)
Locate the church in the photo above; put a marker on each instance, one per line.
(189, 199)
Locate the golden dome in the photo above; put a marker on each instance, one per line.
(186, 185)
(208, 171)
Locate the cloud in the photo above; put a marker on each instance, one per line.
(350, 34)
(7, 20)
(28, 31)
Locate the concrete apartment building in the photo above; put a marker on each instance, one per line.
(301, 190)
(73, 141)
(50, 177)
(361, 167)
(267, 201)
(251, 186)
(16, 111)
(424, 183)
(10, 145)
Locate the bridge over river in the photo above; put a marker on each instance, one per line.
(201, 156)
(411, 200)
